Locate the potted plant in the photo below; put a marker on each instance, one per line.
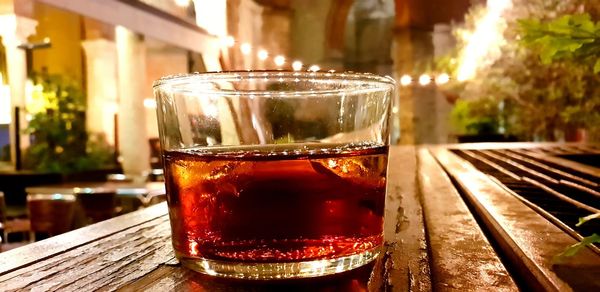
(59, 141)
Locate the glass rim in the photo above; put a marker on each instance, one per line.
(376, 83)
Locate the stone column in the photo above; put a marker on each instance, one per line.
(14, 30)
(131, 70)
(101, 72)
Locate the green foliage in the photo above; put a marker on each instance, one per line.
(587, 218)
(543, 99)
(476, 117)
(60, 142)
(572, 37)
(586, 241)
(575, 248)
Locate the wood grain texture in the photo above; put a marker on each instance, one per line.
(454, 236)
(406, 262)
(54, 246)
(133, 252)
(527, 239)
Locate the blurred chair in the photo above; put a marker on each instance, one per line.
(9, 226)
(127, 203)
(50, 214)
(97, 204)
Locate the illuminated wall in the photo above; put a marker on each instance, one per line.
(65, 32)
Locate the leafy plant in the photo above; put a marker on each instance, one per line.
(586, 241)
(59, 141)
(542, 99)
(575, 37)
(475, 117)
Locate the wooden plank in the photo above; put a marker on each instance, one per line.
(454, 236)
(106, 263)
(26, 255)
(406, 262)
(526, 239)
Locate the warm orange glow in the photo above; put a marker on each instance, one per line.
(442, 79)
(405, 80)
(211, 15)
(229, 41)
(182, 3)
(297, 65)
(245, 48)
(279, 60)
(262, 55)
(483, 44)
(424, 79)
(149, 103)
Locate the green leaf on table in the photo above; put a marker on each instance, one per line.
(575, 248)
(588, 218)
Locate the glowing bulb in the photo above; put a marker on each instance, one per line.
(149, 103)
(424, 79)
(112, 107)
(405, 80)
(245, 48)
(314, 68)
(279, 60)
(182, 3)
(229, 41)
(262, 55)
(442, 79)
(297, 65)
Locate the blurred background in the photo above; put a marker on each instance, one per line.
(76, 76)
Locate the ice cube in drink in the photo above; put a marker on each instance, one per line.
(276, 204)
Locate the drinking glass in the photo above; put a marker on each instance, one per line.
(274, 174)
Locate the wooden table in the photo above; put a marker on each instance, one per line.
(133, 252)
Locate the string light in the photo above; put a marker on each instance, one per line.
(424, 79)
(297, 65)
(279, 60)
(149, 103)
(245, 48)
(262, 55)
(442, 79)
(405, 80)
(182, 3)
(229, 41)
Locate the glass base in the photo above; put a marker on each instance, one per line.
(268, 271)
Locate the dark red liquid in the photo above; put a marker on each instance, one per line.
(276, 205)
